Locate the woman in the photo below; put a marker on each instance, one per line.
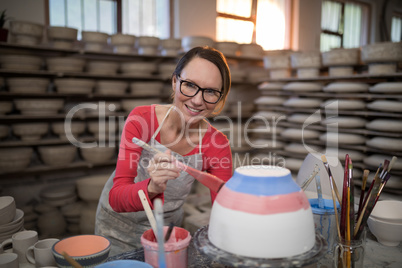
(201, 84)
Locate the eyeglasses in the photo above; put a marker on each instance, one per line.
(190, 89)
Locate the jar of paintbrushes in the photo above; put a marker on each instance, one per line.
(350, 224)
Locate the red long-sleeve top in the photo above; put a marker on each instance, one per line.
(142, 123)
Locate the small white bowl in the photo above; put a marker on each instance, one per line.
(387, 233)
(388, 210)
(30, 131)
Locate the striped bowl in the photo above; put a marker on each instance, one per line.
(87, 250)
(262, 213)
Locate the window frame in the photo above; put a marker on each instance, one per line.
(366, 16)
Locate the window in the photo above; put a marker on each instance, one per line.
(136, 17)
(396, 28)
(343, 24)
(265, 22)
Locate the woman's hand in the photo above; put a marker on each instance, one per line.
(161, 169)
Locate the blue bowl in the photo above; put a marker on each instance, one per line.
(124, 264)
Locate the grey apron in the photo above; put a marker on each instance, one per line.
(125, 229)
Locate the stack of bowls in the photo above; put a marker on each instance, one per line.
(170, 47)
(123, 43)
(15, 159)
(188, 42)
(20, 62)
(58, 195)
(39, 106)
(94, 41)
(26, 33)
(278, 64)
(147, 45)
(11, 218)
(90, 188)
(62, 37)
(307, 64)
(27, 85)
(76, 128)
(74, 85)
(30, 131)
(102, 67)
(382, 57)
(65, 64)
(57, 155)
(385, 222)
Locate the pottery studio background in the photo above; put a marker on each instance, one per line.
(289, 76)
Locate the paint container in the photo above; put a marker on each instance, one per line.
(324, 221)
(175, 247)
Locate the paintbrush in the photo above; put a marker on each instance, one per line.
(307, 182)
(386, 177)
(344, 198)
(335, 188)
(70, 260)
(351, 199)
(209, 180)
(363, 188)
(334, 201)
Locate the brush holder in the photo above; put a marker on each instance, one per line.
(350, 253)
(262, 213)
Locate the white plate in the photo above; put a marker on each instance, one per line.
(387, 87)
(376, 159)
(385, 125)
(391, 144)
(345, 121)
(342, 138)
(385, 105)
(344, 104)
(294, 133)
(302, 103)
(346, 87)
(303, 86)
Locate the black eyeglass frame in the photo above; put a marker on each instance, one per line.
(198, 90)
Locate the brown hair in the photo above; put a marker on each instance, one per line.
(218, 59)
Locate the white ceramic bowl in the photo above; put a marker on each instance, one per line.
(341, 56)
(94, 37)
(62, 44)
(122, 39)
(24, 39)
(276, 61)
(65, 64)
(76, 128)
(57, 155)
(30, 131)
(146, 88)
(138, 68)
(26, 28)
(7, 209)
(382, 52)
(20, 62)
(170, 43)
(388, 210)
(387, 233)
(147, 41)
(39, 106)
(90, 188)
(111, 87)
(62, 33)
(27, 84)
(305, 60)
(251, 50)
(102, 67)
(228, 48)
(189, 42)
(15, 159)
(98, 155)
(74, 85)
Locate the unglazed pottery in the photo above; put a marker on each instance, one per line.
(387, 233)
(7, 209)
(255, 213)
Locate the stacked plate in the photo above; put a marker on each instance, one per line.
(11, 218)
(60, 195)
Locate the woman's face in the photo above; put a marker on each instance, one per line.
(204, 74)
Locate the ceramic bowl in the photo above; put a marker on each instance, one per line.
(305, 60)
(62, 44)
(20, 62)
(74, 85)
(15, 159)
(146, 88)
(170, 43)
(251, 50)
(124, 49)
(102, 129)
(188, 42)
(138, 68)
(64, 64)
(90, 188)
(27, 85)
(382, 52)
(228, 48)
(15, 225)
(57, 155)
(388, 211)
(97, 155)
(87, 250)
(62, 33)
(30, 131)
(387, 233)
(122, 39)
(111, 87)
(266, 199)
(7, 209)
(26, 28)
(39, 106)
(94, 37)
(102, 67)
(341, 57)
(76, 128)
(273, 62)
(147, 41)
